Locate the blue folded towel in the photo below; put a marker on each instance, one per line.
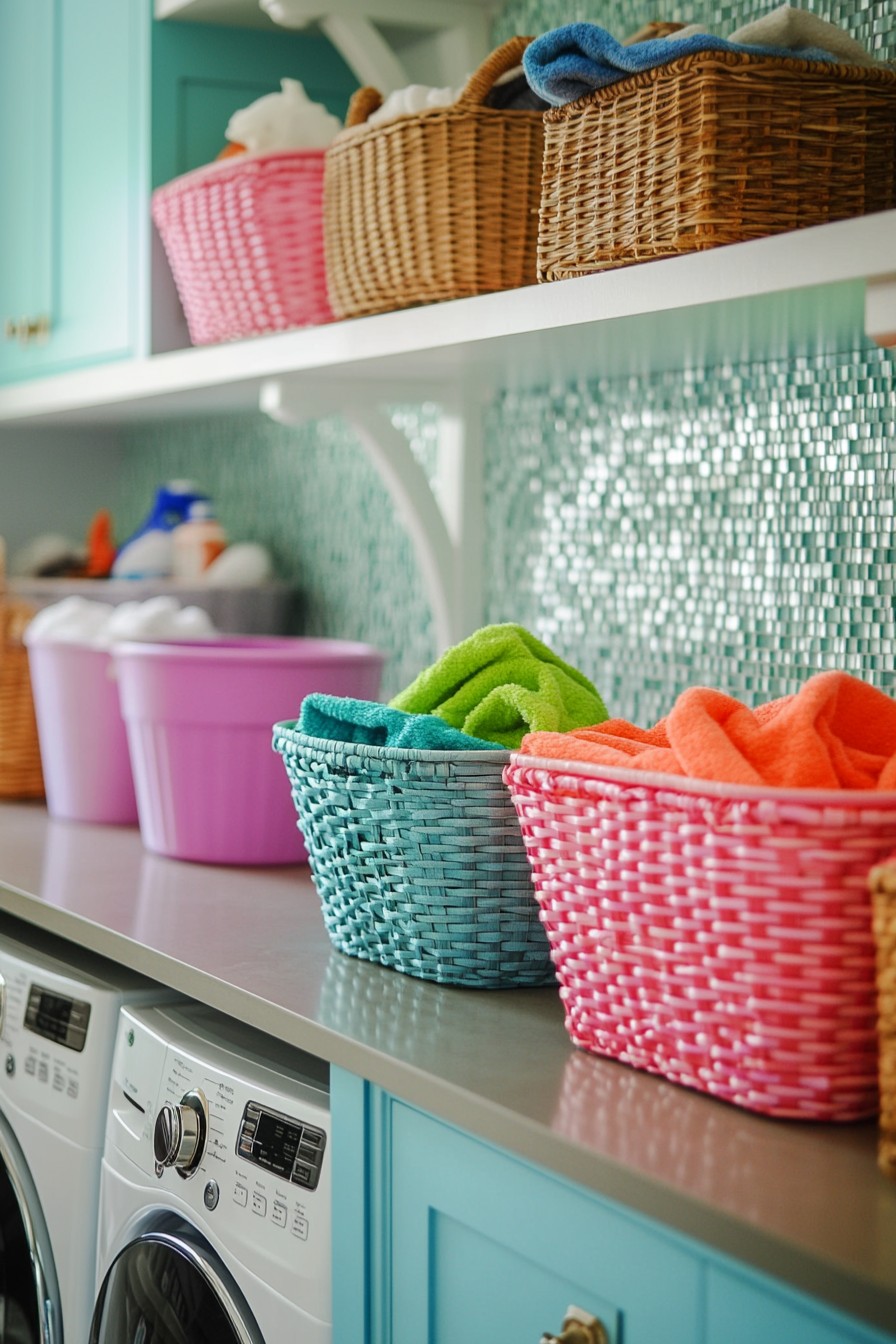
(341, 719)
(570, 62)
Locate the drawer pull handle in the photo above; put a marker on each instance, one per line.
(579, 1327)
(28, 329)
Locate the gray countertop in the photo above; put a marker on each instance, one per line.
(803, 1202)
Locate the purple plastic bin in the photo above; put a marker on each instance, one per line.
(83, 743)
(199, 722)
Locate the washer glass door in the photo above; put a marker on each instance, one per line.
(30, 1311)
(168, 1287)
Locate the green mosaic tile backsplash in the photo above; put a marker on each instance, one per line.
(731, 527)
(872, 22)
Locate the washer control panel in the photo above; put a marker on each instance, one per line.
(57, 1017)
(281, 1145)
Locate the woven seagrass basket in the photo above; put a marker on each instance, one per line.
(418, 860)
(21, 775)
(714, 934)
(714, 148)
(435, 205)
(244, 240)
(883, 897)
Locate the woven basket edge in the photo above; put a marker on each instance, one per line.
(223, 168)
(350, 135)
(287, 730)
(716, 789)
(870, 74)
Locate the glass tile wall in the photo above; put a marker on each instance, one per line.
(731, 526)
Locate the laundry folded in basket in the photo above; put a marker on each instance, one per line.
(569, 62)
(342, 719)
(501, 683)
(835, 732)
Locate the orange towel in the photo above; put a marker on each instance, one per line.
(836, 732)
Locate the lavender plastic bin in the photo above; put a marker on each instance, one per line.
(83, 743)
(199, 718)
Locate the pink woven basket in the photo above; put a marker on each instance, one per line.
(718, 936)
(244, 239)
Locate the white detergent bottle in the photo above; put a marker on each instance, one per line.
(197, 541)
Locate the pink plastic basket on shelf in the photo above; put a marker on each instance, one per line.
(720, 936)
(244, 239)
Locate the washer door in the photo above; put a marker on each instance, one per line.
(30, 1310)
(169, 1287)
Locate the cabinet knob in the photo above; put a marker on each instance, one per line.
(28, 329)
(579, 1327)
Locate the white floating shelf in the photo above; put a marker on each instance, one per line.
(801, 292)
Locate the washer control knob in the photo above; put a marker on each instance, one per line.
(178, 1139)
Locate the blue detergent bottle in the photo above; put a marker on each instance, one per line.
(148, 554)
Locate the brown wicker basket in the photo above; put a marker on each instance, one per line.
(20, 767)
(713, 148)
(433, 205)
(883, 898)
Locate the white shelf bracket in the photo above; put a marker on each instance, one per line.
(445, 524)
(880, 312)
(437, 42)
(365, 52)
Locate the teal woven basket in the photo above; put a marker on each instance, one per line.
(418, 860)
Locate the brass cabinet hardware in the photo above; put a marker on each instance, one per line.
(579, 1327)
(28, 329)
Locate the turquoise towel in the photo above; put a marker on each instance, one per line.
(340, 719)
(499, 683)
(567, 63)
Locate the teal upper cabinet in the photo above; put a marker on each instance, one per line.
(100, 103)
(72, 113)
(26, 77)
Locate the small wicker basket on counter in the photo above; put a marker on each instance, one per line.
(434, 205)
(713, 148)
(883, 898)
(21, 774)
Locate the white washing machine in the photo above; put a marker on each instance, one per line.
(59, 1010)
(215, 1192)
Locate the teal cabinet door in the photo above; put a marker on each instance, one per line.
(742, 1308)
(27, 76)
(73, 239)
(440, 1238)
(71, 187)
(467, 1243)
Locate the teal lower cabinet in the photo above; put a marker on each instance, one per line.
(742, 1308)
(441, 1238)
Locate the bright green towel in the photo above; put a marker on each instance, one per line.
(499, 684)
